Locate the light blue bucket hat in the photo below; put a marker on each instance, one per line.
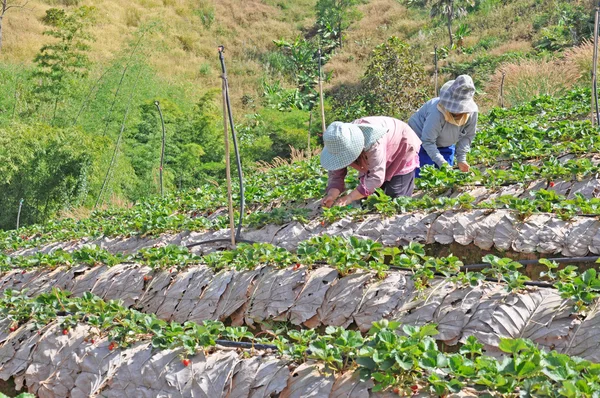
(344, 142)
(456, 96)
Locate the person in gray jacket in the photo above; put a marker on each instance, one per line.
(446, 125)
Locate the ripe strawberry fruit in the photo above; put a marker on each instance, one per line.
(552, 184)
(65, 332)
(111, 346)
(147, 278)
(186, 362)
(13, 328)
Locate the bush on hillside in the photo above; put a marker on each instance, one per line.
(395, 82)
(48, 168)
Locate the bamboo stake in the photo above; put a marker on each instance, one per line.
(19, 213)
(435, 61)
(309, 127)
(502, 90)
(321, 95)
(228, 165)
(594, 68)
(162, 151)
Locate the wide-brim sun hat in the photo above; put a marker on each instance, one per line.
(458, 98)
(344, 142)
(446, 86)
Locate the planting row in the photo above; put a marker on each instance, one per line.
(543, 127)
(58, 346)
(203, 210)
(566, 318)
(501, 229)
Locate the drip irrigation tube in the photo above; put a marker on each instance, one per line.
(590, 259)
(244, 345)
(238, 159)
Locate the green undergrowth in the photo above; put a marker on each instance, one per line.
(155, 219)
(403, 360)
(530, 137)
(347, 256)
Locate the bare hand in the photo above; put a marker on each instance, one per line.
(464, 167)
(344, 201)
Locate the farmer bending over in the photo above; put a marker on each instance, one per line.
(447, 125)
(384, 150)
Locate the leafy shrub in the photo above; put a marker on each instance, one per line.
(563, 26)
(395, 81)
(47, 167)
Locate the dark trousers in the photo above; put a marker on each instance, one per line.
(447, 152)
(400, 185)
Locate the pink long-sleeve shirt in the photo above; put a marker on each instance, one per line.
(395, 153)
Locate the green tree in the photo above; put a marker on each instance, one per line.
(47, 167)
(450, 10)
(60, 63)
(395, 82)
(334, 17)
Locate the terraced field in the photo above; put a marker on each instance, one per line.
(342, 302)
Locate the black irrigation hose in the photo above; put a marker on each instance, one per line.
(244, 345)
(533, 262)
(206, 242)
(528, 283)
(235, 144)
(223, 343)
(238, 234)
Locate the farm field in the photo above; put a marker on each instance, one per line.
(350, 301)
(118, 273)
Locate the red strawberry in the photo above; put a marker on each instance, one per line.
(186, 362)
(415, 389)
(552, 184)
(147, 278)
(111, 346)
(93, 341)
(13, 328)
(297, 266)
(65, 332)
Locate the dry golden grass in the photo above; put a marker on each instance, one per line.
(581, 59)
(297, 155)
(527, 79)
(180, 44)
(381, 19)
(82, 212)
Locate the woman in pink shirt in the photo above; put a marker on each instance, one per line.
(384, 150)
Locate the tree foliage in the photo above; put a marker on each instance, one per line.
(61, 62)
(46, 167)
(395, 82)
(334, 17)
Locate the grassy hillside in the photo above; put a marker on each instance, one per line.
(182, 45)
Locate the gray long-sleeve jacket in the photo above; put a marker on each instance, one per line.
(431, 127)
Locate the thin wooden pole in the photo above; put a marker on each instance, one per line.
(594, 69)
(228, 165)
(502, 89)
(435, 61)
(162, 151)
(321, 95)
(19, 213)
(309, 127)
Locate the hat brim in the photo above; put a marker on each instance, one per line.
(460, 107)
(331, 163)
